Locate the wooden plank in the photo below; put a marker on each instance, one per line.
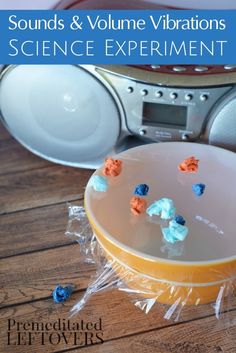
(31, 230)
(4, 134)
(119, 318)
(201, 336)
(41, 187)
(15, 158)
(34, 276)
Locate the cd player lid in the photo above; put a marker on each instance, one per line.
(146, 4)
(168, 79)
(199, 4)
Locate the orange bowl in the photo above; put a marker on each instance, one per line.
(194, 270)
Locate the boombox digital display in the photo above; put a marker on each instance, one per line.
(77, 115)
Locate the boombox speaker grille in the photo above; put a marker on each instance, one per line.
(62, 113)
(222, 124)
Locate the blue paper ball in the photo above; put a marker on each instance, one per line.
(61, 294)
(198, 189)
(141, 190)
(180, 220)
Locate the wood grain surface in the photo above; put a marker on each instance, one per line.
(35, 256)
(4, 134)
(41, 187)
(34, 229)
(11, 155)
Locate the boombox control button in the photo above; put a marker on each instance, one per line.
(188, 97)
(142, 132)
(179, 68)
(159, 94)
(203, 97)
(230, 67)
(144, 92)
(155, 67)
(129, 89)
(173, 95)
(185, 137)
(201, 68)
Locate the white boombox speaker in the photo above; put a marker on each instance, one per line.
(78, 115)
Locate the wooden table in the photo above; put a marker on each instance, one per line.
(36, 256)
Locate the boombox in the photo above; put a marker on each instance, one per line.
(77, 115)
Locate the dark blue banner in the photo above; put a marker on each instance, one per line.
(118, 37)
